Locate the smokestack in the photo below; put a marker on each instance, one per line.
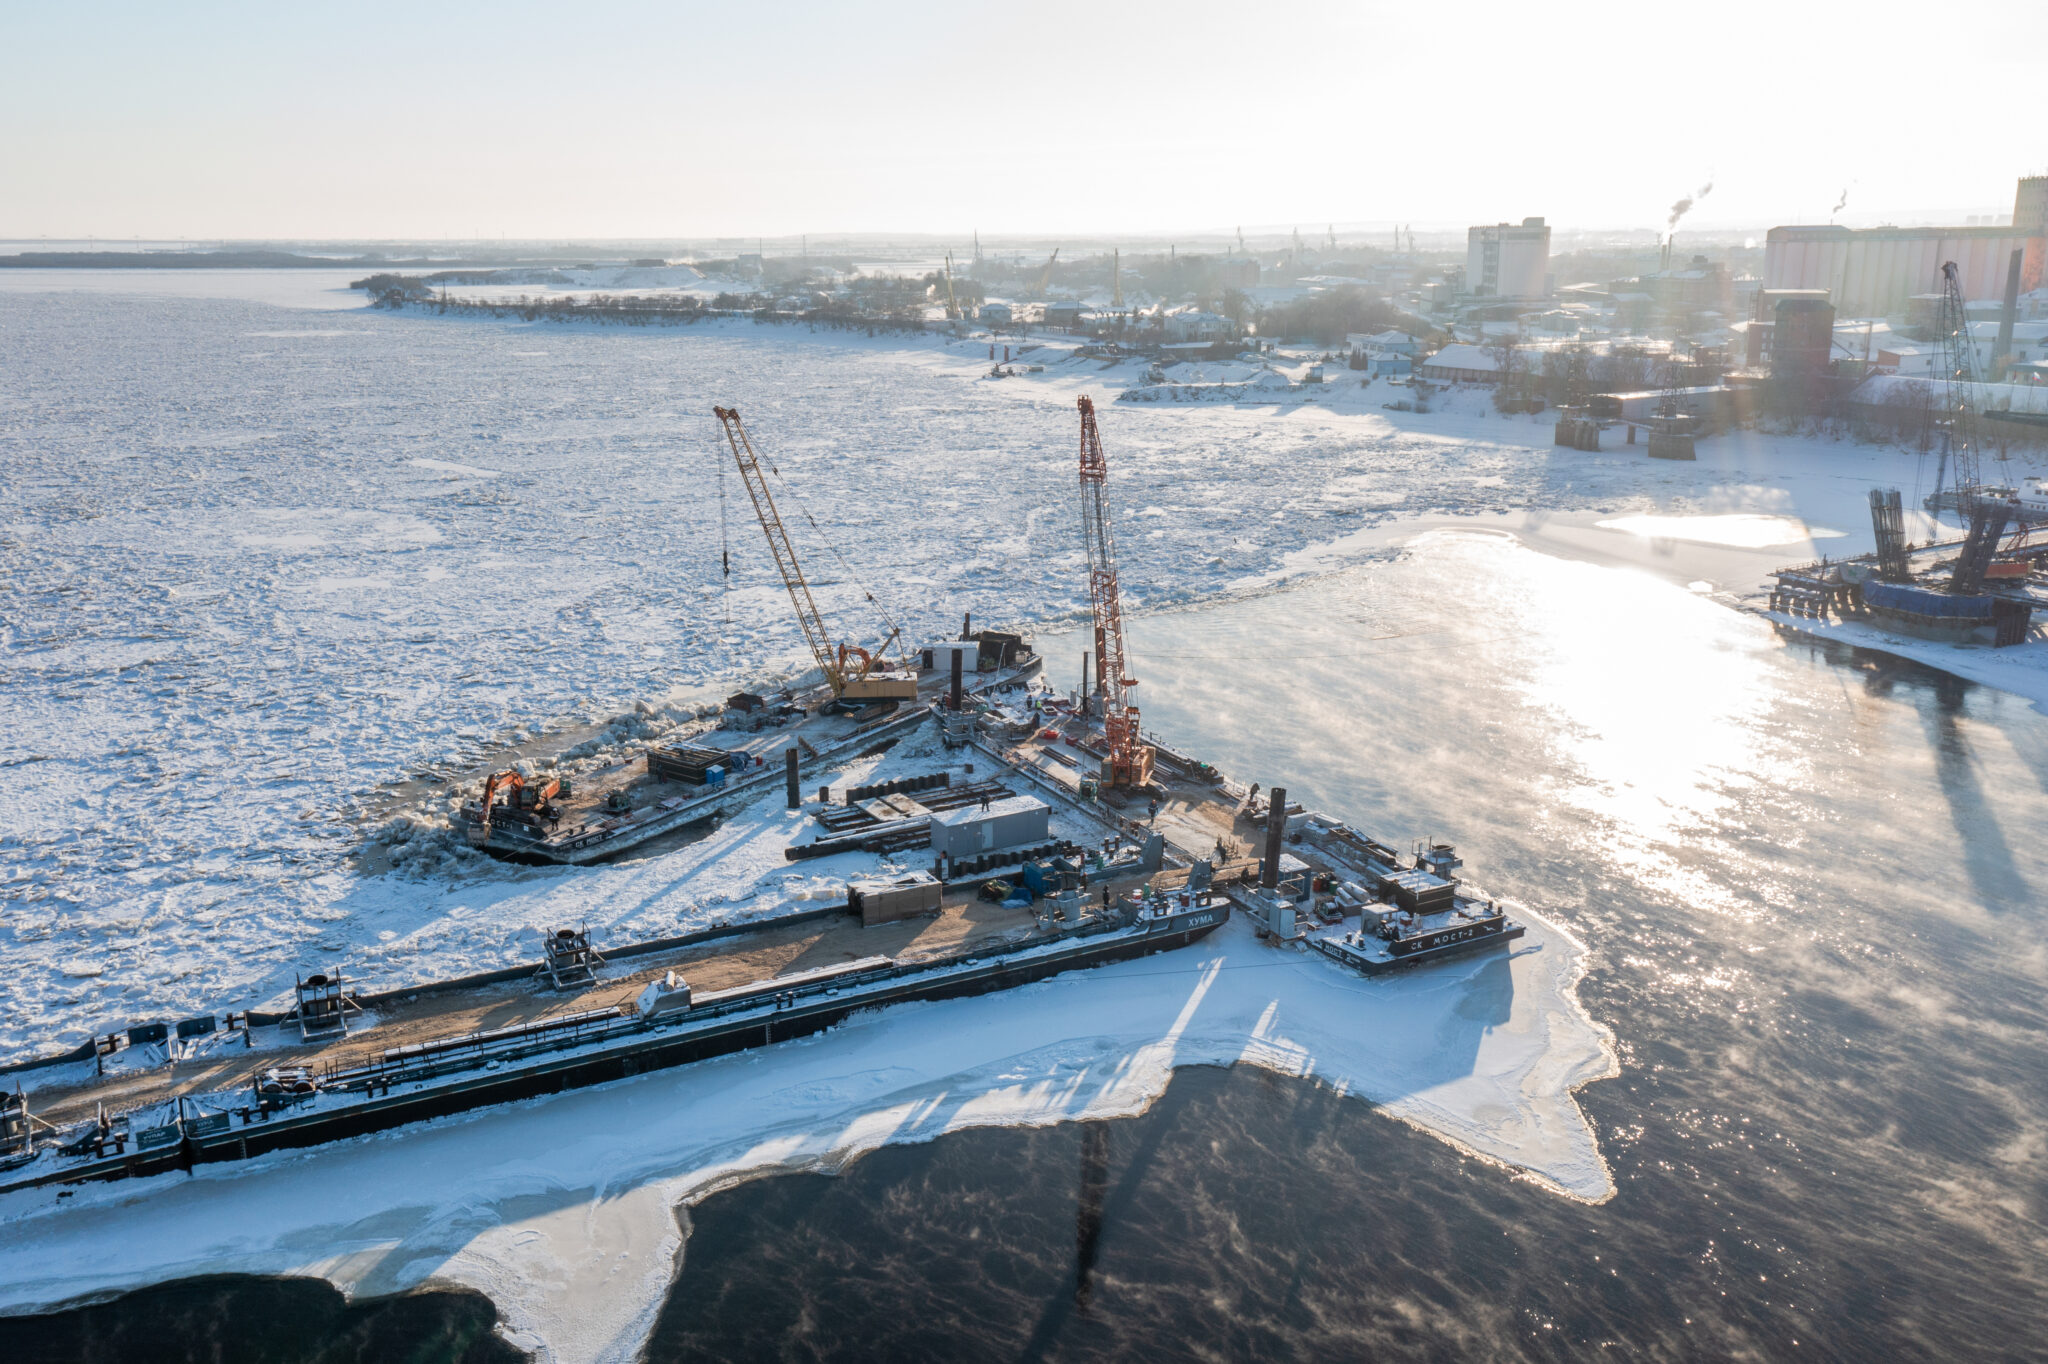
(796, 797)
(956, 679)
(1276, 829)
(2002, 354)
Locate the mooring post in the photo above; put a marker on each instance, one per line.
(956, 679)
(796, 797)
(1276, 829)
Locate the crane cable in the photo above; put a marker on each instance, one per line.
(895, 631)
(724, 550)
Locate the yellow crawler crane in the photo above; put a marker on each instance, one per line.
(953, 313)
(850, 670)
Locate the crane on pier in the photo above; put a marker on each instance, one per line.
(1130, 757)
(1958, 462)
(849, 669)
(1984, 510)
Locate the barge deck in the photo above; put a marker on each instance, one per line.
(1171, 863)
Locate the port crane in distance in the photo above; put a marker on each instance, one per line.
(1045, 275)
(857, 676)
(1130, 757)
(952, 302)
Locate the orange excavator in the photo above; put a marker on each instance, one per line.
(529, 798)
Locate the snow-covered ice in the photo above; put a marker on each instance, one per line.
(274, 565)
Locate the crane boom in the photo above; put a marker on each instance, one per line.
(1130, 758)
(1959, 425)
(779, 546)
(1984, 511)
(1045, 275)
(848, 669)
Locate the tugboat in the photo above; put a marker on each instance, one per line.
(1406, 915)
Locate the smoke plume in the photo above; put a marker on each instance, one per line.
(1838, 204)
(1684, 206)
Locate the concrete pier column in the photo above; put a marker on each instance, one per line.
(796, 797)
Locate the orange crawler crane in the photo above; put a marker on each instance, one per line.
(1130, 757)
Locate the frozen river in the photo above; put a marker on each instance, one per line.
(263, 552)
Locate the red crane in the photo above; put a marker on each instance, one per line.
(1130, 758)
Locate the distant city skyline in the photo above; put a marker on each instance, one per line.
(636, 121)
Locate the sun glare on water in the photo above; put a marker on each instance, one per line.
(1652, 698)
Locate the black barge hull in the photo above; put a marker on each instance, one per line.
(1380, 961)
(660, 1048)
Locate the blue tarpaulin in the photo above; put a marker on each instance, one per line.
(1921, 602)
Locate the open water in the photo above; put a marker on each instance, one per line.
(1812, 881)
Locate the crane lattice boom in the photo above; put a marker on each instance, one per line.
(1959, 425)
(849, 669)
(1130, 759)
(779, 546)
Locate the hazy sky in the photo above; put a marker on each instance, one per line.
(646, 119)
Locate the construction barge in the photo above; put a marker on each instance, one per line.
(573, 1024)
(1010, 897)
(1007, 900)
(1975, 590)
(757, 742)
(1317, 882)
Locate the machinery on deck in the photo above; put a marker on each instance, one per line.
(1984, 510)
(525, 801)
(854, 674)
(1130, 758)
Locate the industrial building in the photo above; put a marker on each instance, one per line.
(1875, 272)
(1005, 822)
(1505, 261)
(1460, 363)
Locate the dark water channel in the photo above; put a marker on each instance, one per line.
(247, 1319)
